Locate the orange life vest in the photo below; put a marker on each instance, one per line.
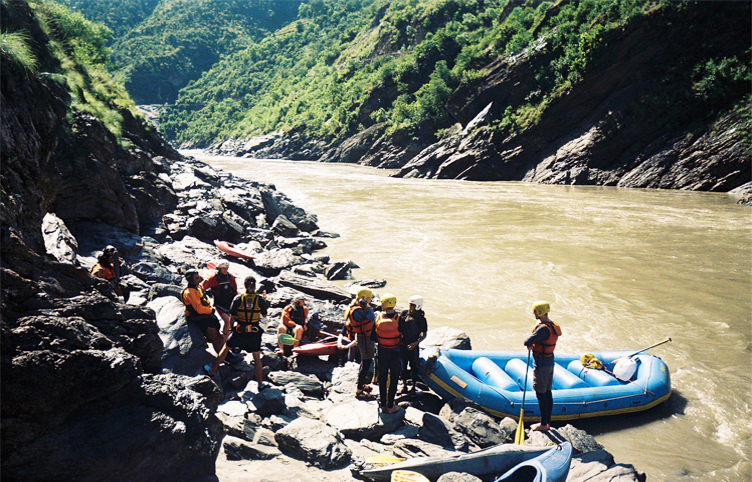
(387, 330)
(104, 272)
(546, 349)
(196, 302)
(357, 328)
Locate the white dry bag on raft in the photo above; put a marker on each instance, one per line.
(624, 368)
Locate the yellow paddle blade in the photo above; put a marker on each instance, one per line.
(384, 459)
(407, 476)
(519, 437)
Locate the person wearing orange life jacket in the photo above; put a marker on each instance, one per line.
(387, 333)
(222, 288)
(543, 343)
(294, 317)
(110, 267)
(246, 311)
(359, 319)
(199, 311)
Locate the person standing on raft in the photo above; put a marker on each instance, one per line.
(386, 332)
(543, 343)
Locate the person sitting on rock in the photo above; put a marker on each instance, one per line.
(246, 311)
(223, 289)
(414, 328)
(111, 267)
(359, 323)
(198, 310)
(294, 317)
(386, 332)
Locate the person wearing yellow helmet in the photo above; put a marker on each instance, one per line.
(359, 319)
(387, 333)
(542, 343)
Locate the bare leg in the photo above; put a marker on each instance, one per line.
(297, 332)
(257, 367)
(281, 330)
(216, 339)
(220, 358)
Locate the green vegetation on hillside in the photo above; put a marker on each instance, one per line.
(79, 46)
(120, 16)
(345, 65)
(181, 39)
(15, 50)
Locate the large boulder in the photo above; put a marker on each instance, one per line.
(315, 442)
(358, 419)
(446, 337)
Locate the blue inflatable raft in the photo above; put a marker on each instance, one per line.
(494, 380)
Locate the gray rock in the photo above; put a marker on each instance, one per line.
(446, 337)
(315, 442)
(306, 383)
(155, 273)
(357, 419)
(275, 260)
(418, 448)
(313, 287)
(365, 283)
(458, 477)
(439, 431)
(338, 271)
(239, 449)
(479, 427)
(269, 401)
(283, 227)
(58, 240)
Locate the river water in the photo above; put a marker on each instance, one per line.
(622, 269)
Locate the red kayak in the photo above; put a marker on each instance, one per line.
(230, 249)
(325, 347)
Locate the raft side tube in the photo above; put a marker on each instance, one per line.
(517, 368)
(592, 376)
(489, 372)
(564, 379)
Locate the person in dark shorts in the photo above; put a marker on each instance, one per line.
(414, 328)
(359, 319)
(542, 343)
(386, 333)
(199, 310)
(221, 286)
(246, 311)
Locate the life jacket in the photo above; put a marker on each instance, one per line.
(296, 314)
(224, 291)
(387, 330)
(104, 272)
(357, 328)
(190, 310)
(546, 349)
(249, 313)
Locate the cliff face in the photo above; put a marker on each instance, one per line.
(83, 397)
(632, 121)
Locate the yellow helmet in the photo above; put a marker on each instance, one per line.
(541, 308)
(388, 300)
(364, 293)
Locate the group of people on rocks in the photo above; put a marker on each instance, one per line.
(391, 338)
(397, 336)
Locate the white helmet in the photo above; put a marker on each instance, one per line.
(299, 297)
(417, 300)
(223, 264)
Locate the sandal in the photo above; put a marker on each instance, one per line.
(207, 369)
(361, 395)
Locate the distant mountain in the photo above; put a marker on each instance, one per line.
(162, 45)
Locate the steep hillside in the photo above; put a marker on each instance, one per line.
(120, 16)
(82, 386)
(383, 83)
(181, 39)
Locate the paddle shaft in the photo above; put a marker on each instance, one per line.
(651, 346)
(520, 435)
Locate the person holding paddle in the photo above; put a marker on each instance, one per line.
(542, 344)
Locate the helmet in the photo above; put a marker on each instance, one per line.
(541, 308)
(364, 293)
(223, 264)
(416, 300)
(388, 300)
(298, 297)
(190, 274)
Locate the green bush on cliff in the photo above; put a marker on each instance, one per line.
(80, 46)
(14, 49)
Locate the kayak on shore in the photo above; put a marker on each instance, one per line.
(552, 466)
(233, 250)
(494, 380)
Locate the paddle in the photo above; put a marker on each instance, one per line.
(651, 346)
(211, 265)
(286, 339)
(519, 437)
